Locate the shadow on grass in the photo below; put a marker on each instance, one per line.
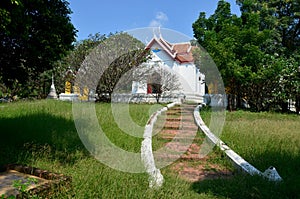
(39, 135)
(243, 185)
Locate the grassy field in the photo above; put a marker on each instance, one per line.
(264, 139)
(42, 134)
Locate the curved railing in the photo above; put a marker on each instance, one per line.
(155, 177)
(271, 173)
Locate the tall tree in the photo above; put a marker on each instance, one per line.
(73, 60)
(281, 19)
(250, 51)
(109, 61)
(34, 35)
(219, 35)
(281, 15)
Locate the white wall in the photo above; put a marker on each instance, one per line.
(187, 72)
(139, 88)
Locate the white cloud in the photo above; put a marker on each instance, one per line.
(155, 23)
(161, 16)
(159, 20)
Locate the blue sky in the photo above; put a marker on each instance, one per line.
(105, 16)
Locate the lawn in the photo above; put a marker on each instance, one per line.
(43, 134)
(263, 139)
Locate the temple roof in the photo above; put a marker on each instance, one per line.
(181, 52)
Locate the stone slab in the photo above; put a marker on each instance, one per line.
(45, 180)
(8, 178)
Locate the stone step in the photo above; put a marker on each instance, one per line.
(174, 119)
(172, 126)
(179, 112)
(185, 125)
(185, 121)
(173, 113)
(185, 130)
(180, 132)
(179, 138)
(173, 157)
(195, 147)
(182, 148)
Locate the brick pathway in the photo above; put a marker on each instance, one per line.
(182, 146)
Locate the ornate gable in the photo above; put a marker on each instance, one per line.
(181, 52)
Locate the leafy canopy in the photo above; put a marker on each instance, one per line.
(257, 53)
(33, 34)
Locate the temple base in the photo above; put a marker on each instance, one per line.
(68, 97)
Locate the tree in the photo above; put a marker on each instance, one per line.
(109, 61)
(73, 60)
(34, 34)
(82, 49)
(219, 35)
(251, 51)
(116, 70)
(281, 15)
(161, 81)
(281, 20)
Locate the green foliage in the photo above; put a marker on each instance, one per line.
(33, 35)
(122, 53)
(107, 62)
(73, 60)
(81, 49)
(256, 53)
(9, 197)
(125, 53)
(23, 186)
(281, 15)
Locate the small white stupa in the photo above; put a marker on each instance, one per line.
(52, 94)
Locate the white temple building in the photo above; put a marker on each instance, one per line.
(179, 58)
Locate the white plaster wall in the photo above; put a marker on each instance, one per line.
(187, 77)
(188, 74)
(139, 87)
(164, 57)
(201, 84)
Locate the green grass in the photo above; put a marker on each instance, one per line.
(263, 139)
(43, 134)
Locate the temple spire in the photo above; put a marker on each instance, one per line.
(52, 94)
(157, 33)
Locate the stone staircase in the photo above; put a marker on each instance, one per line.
(182, 143)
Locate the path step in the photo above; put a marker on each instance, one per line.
(173, 157)
(178, 132)
(180, 139)
(173, 119)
